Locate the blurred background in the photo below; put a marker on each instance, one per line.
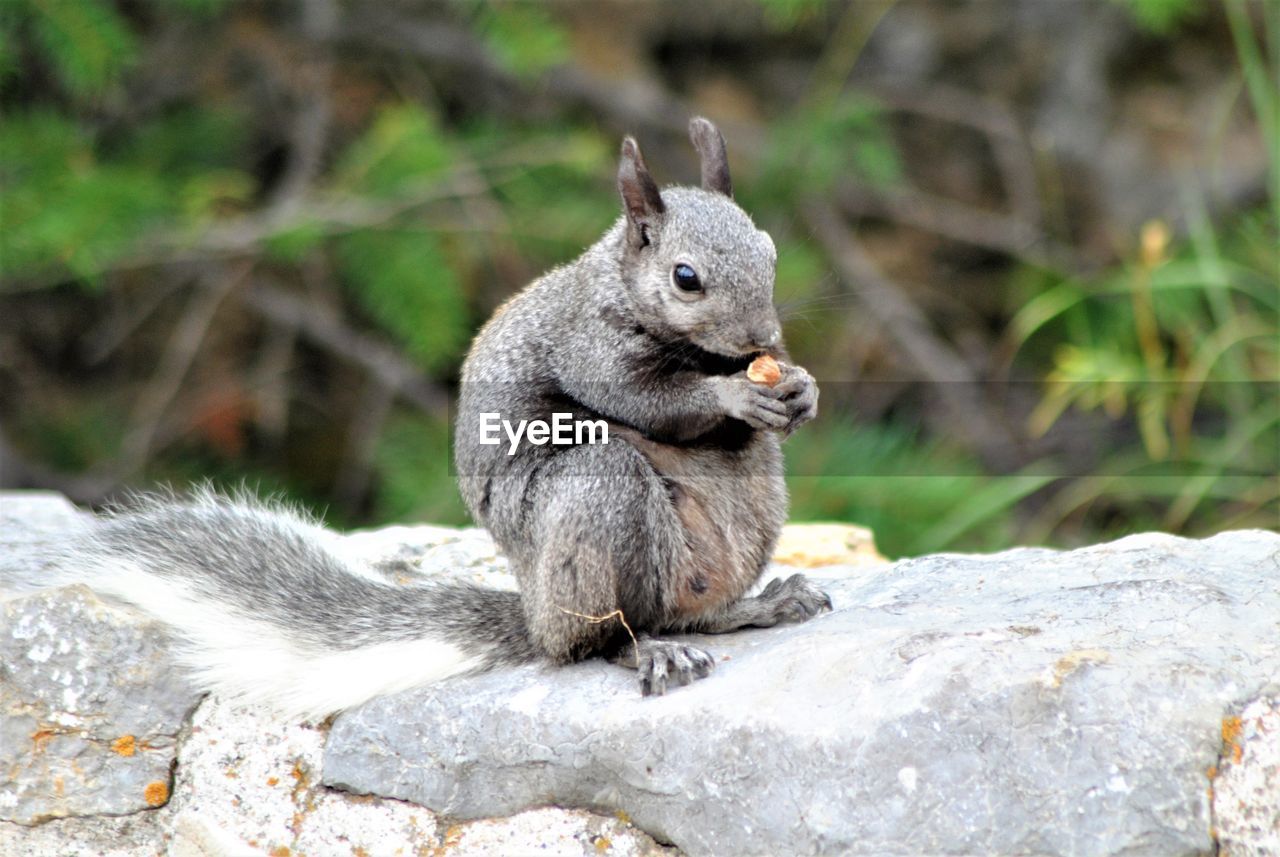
(1028, 247)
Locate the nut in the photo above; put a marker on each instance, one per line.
(764, 370)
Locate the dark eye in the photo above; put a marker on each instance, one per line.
(686, 279)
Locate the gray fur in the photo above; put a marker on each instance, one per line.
(675, 519)
(254, 560)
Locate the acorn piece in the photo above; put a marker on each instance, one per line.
(764, 370)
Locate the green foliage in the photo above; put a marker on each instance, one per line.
(917, 495)
(818, 146)
(87, 42)
(416, 481)
(785, 14)
(800, 269)
(1161, 16)
(63, 208)
(187, 142)
(405, 281)
(403, 149)
(430, 214)
(1262, 80)
(198, 8)
(1188, 344)
(524, 37)
(75, 434)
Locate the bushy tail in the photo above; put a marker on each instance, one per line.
(268, 612)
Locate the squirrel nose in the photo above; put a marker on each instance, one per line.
(766, 337)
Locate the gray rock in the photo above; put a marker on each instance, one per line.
(90, 708)
(1246, 805)
(1027, 702)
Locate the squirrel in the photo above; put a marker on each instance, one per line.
(663, 529)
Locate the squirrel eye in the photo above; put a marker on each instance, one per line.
(685, 278)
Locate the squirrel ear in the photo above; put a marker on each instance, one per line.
(640, 195)
(709, 142)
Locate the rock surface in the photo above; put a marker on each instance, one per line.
(1027, 702)
(1246, 810)
(90, 708)
(1112, 700)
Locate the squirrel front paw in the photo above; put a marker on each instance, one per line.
(799, 393)
(756, 405)
(794, 599)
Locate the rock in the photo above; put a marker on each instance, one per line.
(25, 515)
(90, 708)
(246, 784)
(1246, 809)
(817, 545)
(141, 834)
(1031, 701)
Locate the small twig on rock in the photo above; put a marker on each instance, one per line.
(596, 620)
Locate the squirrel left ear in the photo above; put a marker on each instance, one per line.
(709, 142)
(640, 196)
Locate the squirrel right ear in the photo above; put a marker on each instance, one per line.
(709, 142)
(640, 195)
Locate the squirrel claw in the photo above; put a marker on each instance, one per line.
(660, 660)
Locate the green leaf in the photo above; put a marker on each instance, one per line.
(404, 280)
(523, 36)
(403, 147)
(1161, 16)
(785, 14)
(63, 210)
(87, 41)
(296, 241)
(415, 481)
(816, 147)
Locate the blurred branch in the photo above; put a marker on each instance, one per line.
(368, 419)
(851, 34)
(309, 131)
(638, 105)
(184, 342)
(995, 121)
(946, 370)
(325, 328)
(955, 220)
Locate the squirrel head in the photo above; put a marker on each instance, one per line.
(696, 268)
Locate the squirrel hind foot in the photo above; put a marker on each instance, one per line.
(658, 662)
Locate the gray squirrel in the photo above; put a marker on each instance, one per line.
(661, 530)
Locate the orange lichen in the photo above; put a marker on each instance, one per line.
(156, 793)
(41, 737)
(1231, 730)
(125, 745)
(603, 844)
(281, 851)
(271, 781)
